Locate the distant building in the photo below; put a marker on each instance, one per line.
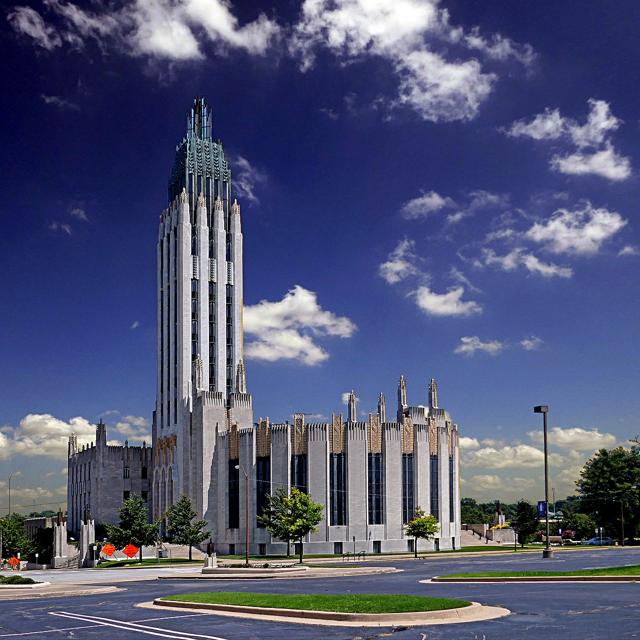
(101, 476)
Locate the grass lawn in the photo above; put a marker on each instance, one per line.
(633, 570)
(147, 562)
(350, 603)
(480, 547)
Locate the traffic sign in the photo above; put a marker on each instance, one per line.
(130, 550)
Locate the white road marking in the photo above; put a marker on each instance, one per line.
(133, 626)
(93, 626)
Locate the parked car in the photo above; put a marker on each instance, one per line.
(599, 541)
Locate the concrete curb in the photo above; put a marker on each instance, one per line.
(23, 586)
(472, 613)
(516, 579)
(52, 593)
(312, 573)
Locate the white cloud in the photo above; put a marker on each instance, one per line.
(594, 153)
(478, 201)
(29, 22)
(488, 482)
(467, 443)
(520, 257)
(134, 428)
(166, 29)
(44, 435)
(57, 101)
(531, 343)
(287, 329)
(79, 213)
(424, 205)
(580, 232)
(457, 275)
(445, 304)
(576, 438)
(246, 178)
(470, 344)
(606, 163)
(60, 226)
(629, 250)
(402, 33)
(508, 457)
(135, 324)
(400, 264)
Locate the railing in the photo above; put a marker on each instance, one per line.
(360, 555)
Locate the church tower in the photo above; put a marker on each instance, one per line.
(199, 299)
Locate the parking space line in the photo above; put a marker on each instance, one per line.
(133, 626)
(32, 633)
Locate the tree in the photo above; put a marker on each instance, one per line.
(14, 537)
(134, 526)
(181, 527)
(291, 516)
(472, 513)
(610, 488)
(581, 524)
(422, 526)
(525, 521)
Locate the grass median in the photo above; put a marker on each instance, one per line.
(349, 603)
(146, 562)
(633, 570)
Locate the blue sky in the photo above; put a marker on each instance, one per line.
(436, 189)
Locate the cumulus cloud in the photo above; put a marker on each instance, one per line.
(165, 29)
(478, 201)
(520, 257)
(247, 179)
(576, 438)
(508, 457)
(288, 329)
(489, 482)
(133, 428)
(531, 343)
(403, 33)
(425, 205)
(594, 152)
(41, 434)
(629, 250)
(445, 304)
(470, 344)
(467, 443)
(582, 231)
(401, 263)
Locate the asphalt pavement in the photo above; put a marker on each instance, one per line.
(565, 611)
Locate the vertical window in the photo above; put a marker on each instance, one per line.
(408, 507)
(337, 489)
(263, 484)
(452, 510)
(375, 488)
(143, 473)
(299, 472)
(434, 480)
(126, 472)
(125, 495)
(234, 495)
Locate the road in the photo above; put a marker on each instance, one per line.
(540, 611)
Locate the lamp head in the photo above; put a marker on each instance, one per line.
(237, 467)
(541, 408)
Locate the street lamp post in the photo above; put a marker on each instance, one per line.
(246, 513)
(544, 410)
(9, 489)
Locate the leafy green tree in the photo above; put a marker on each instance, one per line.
(14, 537)
(181, 526)
(472, 513)
(610, 488)
(134, 526)
(582, 525)
(422, 526)
(525, 521)
(291, 516)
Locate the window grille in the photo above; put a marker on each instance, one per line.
(212, 269)
(196, 267)
(229, 272)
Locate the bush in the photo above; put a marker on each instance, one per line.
(16, 580)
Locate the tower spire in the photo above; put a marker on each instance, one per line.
(241, 378)
(402, 398)
(433, 394)
(382, 408)
(352, 412)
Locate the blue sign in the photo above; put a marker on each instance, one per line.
(542, 508)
